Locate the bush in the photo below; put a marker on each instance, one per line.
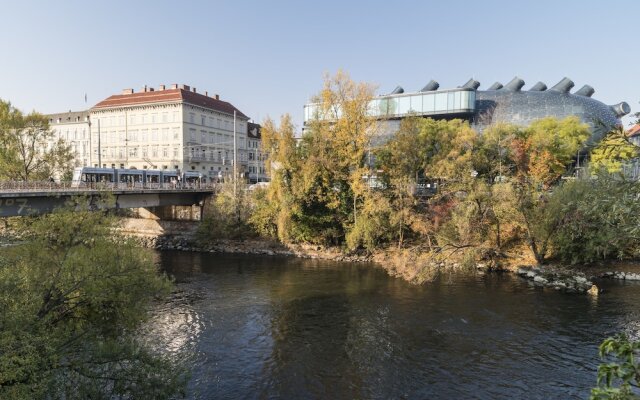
(597, 219)
(227, 217)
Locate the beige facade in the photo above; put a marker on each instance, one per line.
(174, 128)
(73, 128)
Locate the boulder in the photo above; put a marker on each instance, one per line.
(539, 279)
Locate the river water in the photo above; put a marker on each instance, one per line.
(253, 327)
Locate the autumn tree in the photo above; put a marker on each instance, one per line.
(28, 149)
(317, 182)
(540, 155)
(278, 207)
(613, 152)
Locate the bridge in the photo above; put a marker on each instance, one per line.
(162, 200)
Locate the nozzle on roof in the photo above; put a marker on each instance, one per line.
(563, 86)
(495, 86)
(514, 85)
(398, 90)
(431, 86)
(538, 87)
(621, 109)
(586, 91)
(471, 84)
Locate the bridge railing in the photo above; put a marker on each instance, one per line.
(41, 186)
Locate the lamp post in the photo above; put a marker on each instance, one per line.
(235, 158)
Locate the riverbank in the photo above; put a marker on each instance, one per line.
(412, 264)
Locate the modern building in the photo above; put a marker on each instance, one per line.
(255, 165)
(74, 129)
(169, 128)
(508, 103)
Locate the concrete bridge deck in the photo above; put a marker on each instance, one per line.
(28, 198)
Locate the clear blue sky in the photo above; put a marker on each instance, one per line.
(269, 57)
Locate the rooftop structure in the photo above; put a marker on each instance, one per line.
(499, 103)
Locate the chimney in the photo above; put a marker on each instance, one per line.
(217, 96)
(185, 87)
(127, 91)
(194, 90)
(161, 87)
(174, 86)
(151, 89)
(206, 93)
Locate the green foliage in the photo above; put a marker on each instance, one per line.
(227, 217)
(496, 191)
(596, 219)
(72, 298)
(618, 378)
(612, 152)
(374, 225)
(24, 153)
(317, 191)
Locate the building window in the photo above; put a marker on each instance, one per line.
(192, 118)
(143, 137)
(165, 134)
(176, 133)
(165, 117)
(192, 134)
(203, 120)
(154, 151)
(145, 152)
(154, 135)
(175, 152)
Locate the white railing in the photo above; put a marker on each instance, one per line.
(45, 186)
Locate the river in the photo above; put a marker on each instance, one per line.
(253, 327)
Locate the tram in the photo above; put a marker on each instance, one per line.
(134, 178)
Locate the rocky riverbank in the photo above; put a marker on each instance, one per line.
(417, 268)
(567, 281)
(250, 246)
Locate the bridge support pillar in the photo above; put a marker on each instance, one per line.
(171, 213)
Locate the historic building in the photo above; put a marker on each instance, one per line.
(74, 129)
(169, 128)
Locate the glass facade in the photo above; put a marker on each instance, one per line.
(442, 102)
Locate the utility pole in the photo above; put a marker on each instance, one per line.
(99, 147)
(235, 158)
(235, 168)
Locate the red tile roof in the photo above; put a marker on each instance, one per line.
(634, 130)
(169, 95)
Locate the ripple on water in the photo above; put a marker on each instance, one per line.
(289, 328)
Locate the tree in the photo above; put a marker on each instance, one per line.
(538, 156)
(613, 151)
(276, 206)
(72, 298)
(28, 149)
(317, 182)
(620, 378)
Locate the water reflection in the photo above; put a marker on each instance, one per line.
(287, 328)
